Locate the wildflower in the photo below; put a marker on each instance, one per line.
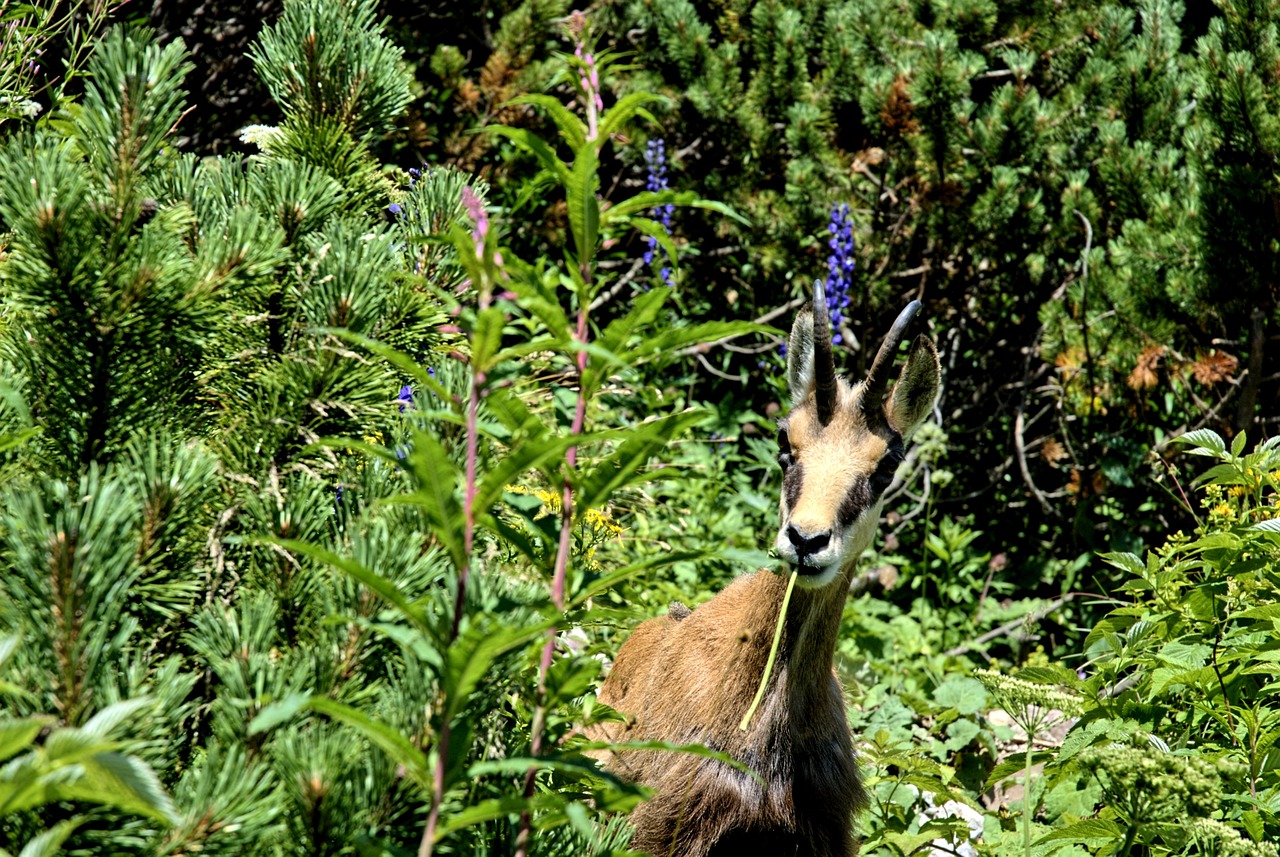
(405, 398)
(395, 209)
(840, 264)
(655, 157)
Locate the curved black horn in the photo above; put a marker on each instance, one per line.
(824, 359)
(872, 396)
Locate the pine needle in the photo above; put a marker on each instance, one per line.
(773, 655)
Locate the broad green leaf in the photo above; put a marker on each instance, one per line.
(584, 207)
(966, 695)
(536, 146)
(649, 199)
(621, 112)
(1091, 830)
(570, 126)
(1015, 765)
(102, 724)
(48, 843)
(122, 781)
(1204, 442)
(18, 735)
(279, 712)
(1237, 444)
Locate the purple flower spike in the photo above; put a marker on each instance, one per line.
(840, 265)
(655, 158)
(405, 398)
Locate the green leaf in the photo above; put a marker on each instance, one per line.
(1237, 445)
(621, 112)
(399, 748)
(1253, 823)
(372, 580)
(659, 233)
(536, 146)
(966, 695)
(486, 338)
(570, 126)
(622, 211)
(1091, 830)
(279, 712)
(48, 843)
(1015, 765)
(584, 207)
(18, 735)
(1204, 442)
(622, 467)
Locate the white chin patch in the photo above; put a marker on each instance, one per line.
(816, 578)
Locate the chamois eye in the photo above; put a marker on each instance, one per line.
(882, 478)
(785, 456)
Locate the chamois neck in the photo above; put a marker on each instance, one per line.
(813, 626)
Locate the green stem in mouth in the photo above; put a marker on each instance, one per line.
(773, 655)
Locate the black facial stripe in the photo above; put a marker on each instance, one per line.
(855, 502)
(792, 481)
(888, 465)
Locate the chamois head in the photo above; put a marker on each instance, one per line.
(841, 443)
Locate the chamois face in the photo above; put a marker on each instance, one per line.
(841, 444)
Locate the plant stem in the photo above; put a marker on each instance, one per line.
(558, 577)
(1027, 808)
(459, 603)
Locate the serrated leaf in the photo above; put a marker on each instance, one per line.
(18, 735)
(1088, 831)
(48, 843)
(963, 693)
(621, 112)
(1204, 442)
(1237, 444)
(1015, 765)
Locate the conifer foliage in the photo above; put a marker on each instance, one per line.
(252, 601)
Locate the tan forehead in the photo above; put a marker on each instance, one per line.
(846, 429)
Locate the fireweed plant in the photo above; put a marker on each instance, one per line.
(517, 321)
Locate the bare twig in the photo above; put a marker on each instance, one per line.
(1033, 616)
(703, 348)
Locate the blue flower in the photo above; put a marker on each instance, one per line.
(395, 209)
(655, 158)
(405, 397)
(840, 265)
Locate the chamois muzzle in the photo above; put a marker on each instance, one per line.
(871, 401)
(824, 358)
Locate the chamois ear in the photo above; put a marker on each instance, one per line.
(916, 390)
(800, 356)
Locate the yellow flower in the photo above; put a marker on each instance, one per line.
(1222, 510)
(1236, 490)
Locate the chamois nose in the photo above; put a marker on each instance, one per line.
(807, 546)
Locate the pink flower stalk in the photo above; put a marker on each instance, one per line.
(588, 75)
(476, 211)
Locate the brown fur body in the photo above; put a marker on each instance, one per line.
(701, 673)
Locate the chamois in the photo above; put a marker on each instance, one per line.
(688, 677)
